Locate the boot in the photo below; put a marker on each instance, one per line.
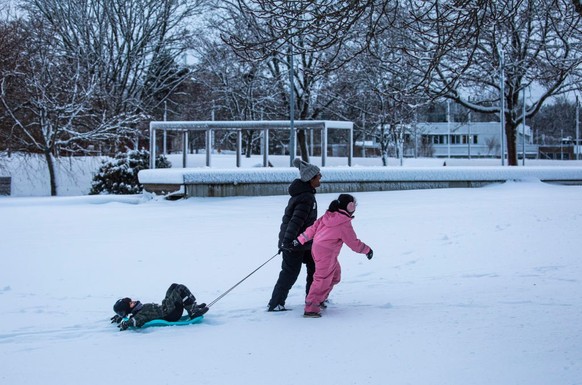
(197, 310)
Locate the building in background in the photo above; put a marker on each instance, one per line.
(453, 140)
(471, 139)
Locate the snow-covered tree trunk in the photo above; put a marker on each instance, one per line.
(50, 162)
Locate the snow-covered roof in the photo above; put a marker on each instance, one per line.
(249, 124)
(186, 126)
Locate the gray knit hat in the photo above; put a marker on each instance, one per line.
(307, 170)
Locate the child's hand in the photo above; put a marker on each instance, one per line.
(293, 246)
(370, 254)
(125, 324)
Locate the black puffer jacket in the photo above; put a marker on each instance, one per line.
(300, 213)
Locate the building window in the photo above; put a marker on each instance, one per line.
(469, 139)
(439, 139)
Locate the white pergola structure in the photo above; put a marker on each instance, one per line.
(209, 126)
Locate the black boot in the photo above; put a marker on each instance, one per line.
(197, 310)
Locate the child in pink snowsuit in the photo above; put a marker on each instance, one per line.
(329, 233)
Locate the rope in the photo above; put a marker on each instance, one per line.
(241, 281)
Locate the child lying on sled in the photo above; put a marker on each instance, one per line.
(131, 313)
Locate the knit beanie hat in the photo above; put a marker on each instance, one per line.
(122, 307)
(306, 170)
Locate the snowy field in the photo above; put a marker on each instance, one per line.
(467, 286)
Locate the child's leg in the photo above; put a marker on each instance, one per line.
(180, 293)
(322, 282)
(310, 267)
(337, 275)
(177, 298)
(290, 269)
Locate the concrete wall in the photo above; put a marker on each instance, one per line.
(264, 189)
(273, 181)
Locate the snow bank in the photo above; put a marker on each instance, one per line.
(358, 174)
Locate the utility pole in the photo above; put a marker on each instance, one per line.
(578, 146)
(523, 133)
(165, 137)
(469, 138)
(292, 144)
(502, 102)
(448, 129)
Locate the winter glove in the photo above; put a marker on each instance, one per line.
(126, 324)
(283, 247)
(116, 319)
(370, 254)
(293, 246)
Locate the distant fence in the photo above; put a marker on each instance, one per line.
(5, 182)
(275, 181)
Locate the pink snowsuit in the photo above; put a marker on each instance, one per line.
(329, 233)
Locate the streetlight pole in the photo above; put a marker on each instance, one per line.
(292, 144)
(523, 133)
(562, 144)
(469, 138)
(502, 101)
(449, 129)
(165, 137)
(578, 146)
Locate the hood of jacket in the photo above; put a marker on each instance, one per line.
(298, 187)
(336, 218)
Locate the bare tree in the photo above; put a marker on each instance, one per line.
(301, 57)
(460, 44)
(12, 37)
(326, 24)
(235, 89)
(91, 71)
(130, 47)
(53, 110)
(529, 44)
(393, 74)
(555, 121)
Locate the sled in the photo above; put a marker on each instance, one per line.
(185, 320)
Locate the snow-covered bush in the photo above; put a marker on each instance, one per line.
(119, 175)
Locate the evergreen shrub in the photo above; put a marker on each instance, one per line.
(119, 175)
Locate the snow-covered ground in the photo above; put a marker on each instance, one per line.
(467, 286)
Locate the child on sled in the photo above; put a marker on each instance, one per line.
(129, 312)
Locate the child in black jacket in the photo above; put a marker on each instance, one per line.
(130, 312)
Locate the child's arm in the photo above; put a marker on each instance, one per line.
(309, 233)
(350, 238)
